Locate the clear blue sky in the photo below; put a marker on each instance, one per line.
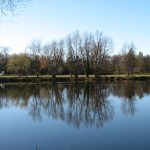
(123, 20)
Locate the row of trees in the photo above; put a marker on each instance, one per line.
(76, 54)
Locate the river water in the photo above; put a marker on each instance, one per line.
(103, 116)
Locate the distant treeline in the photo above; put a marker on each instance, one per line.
(76, 54)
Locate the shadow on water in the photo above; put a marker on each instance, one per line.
(76, 104)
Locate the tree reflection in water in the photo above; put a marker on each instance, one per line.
(77, 104)
(88, 104)
(129, 92)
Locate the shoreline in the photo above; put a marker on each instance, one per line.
(68, 78)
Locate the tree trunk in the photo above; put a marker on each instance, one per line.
(96, 75)
(76, 77)
(87, 71)
(54, 77)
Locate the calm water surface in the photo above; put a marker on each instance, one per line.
(104, 116)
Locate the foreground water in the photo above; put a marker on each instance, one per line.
(103, 116)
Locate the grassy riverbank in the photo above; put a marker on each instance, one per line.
(68, 78)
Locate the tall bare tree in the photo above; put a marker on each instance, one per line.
(70, 61)
(55, 54)
(85, 52)
(57, 49)
(101, 47)
(34, 50)
(74, 45)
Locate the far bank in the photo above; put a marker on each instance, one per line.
(69, 78)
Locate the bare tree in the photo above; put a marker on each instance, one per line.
(85, 52)
(7, 6)
(57, 56)
(34, 50)
(101, 47)
(74, 44)
(70, 61)
(55, 53)
(129, 58)
(35, 47)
